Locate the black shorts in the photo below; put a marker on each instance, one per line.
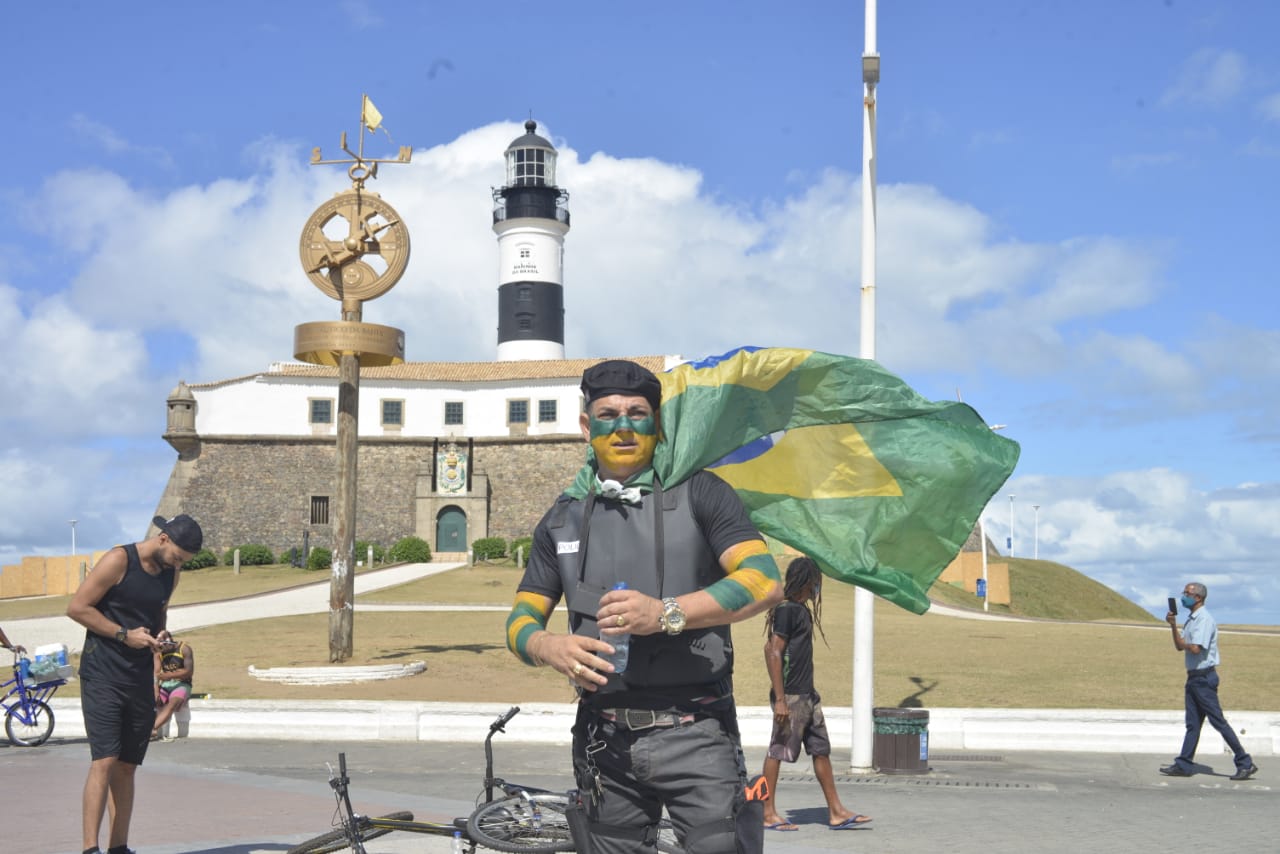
(117, 719)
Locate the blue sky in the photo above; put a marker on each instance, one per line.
(1077, 204)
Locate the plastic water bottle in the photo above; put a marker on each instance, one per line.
(455, 844)
(621, 643)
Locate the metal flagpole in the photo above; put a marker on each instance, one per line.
(864, 600)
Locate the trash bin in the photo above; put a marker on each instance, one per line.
(982, 588)
(901, 741)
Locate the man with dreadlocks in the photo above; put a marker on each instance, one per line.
(797, 708)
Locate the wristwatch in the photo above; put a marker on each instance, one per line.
(673, 619)
(122, 634)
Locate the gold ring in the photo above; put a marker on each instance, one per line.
(577, 668)
(622, 621)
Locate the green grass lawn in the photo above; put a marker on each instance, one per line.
(934, 660)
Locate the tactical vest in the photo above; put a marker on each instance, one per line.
(621, 543)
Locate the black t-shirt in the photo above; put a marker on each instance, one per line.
(793, 622)
(717, 509)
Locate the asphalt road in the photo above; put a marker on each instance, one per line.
(238, 796)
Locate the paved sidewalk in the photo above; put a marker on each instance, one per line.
(307, 599)
(239, 797)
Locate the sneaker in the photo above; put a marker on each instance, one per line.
(1245, 773)
(1174, 771)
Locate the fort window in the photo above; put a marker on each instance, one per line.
(453, 412)
(321, 410)
(319, 510)
(393, 413)
(546, 411)
(517, 412)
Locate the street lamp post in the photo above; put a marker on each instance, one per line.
(1010, 543)
(73, 536)
(1036, 540)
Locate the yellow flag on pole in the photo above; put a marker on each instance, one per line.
(370, 115)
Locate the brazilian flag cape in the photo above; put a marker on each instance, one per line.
(835, 457)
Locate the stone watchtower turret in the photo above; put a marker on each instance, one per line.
(180, 427)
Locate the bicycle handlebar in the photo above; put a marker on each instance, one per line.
(497, 725)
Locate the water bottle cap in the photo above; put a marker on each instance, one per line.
(621, 585)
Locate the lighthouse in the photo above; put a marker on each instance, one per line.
(531, 218)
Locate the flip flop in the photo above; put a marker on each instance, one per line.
(784, 826)
(850, 823)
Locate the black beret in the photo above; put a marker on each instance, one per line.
(618, 376)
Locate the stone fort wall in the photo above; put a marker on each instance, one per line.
(259, 489)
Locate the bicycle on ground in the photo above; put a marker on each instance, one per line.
(523, 820)
(28, 720)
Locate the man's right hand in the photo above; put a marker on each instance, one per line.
(780, 709)
(575, 656)
(140, 638)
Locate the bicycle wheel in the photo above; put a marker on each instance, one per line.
(337, 840)
(522, 824)
(29, 734)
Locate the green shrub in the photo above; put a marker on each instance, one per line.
(410, 550)
(362, 552)
(487, 548)
(320, 558)
(519, 543)
(250, 555)
(201, 559)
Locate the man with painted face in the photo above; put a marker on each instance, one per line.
(662, 733)
(1199, 643)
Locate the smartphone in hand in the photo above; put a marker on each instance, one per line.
(1173, 605)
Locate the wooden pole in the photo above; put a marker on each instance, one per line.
(342, 587)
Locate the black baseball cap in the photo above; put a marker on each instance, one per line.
(618, 376)
(183, 531)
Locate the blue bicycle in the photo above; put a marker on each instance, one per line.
(28, 720)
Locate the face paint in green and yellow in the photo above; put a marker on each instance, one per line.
(623, 431)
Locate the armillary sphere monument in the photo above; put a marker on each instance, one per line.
(354, 248)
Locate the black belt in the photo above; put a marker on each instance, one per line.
(1201, 670)
(641, 719)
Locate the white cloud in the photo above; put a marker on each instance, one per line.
(109, 140)
(1260, 148)
(1210, 77)
(1147, 160)
(691, 274)
(361, 14)
(69, 370)
(204, 283)
(1269, 107)
(1147, 532)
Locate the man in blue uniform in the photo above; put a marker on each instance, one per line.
(662, 733)
(123, 605)
(1199, 642)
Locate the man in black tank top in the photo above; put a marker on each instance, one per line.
(123, 605)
